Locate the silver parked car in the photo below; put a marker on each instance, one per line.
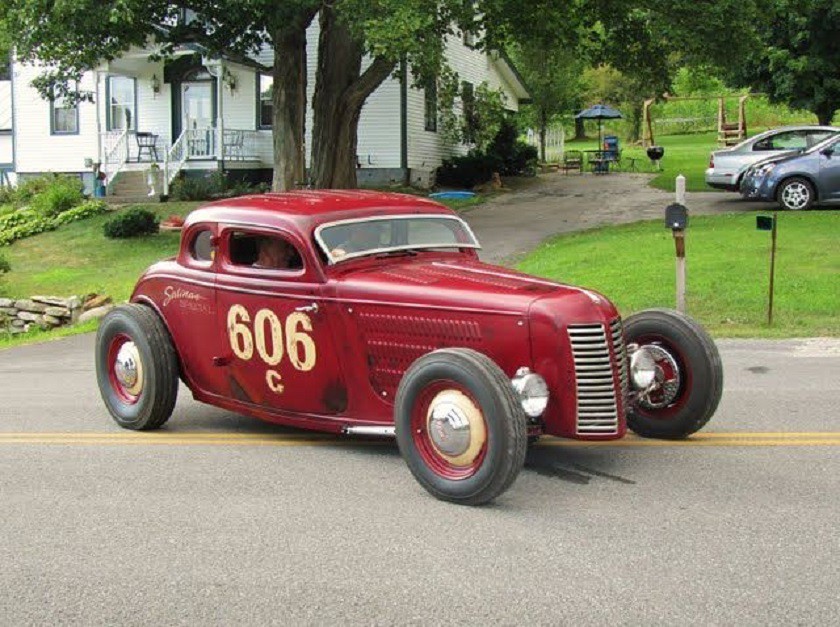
(726, 167)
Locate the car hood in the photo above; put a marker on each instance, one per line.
(776, 158)
(465, 284)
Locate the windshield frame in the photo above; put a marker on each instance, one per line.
(331, 260)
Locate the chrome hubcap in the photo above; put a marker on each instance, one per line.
(129, 369)
(456, 428)
(795, 195)
(666, 383)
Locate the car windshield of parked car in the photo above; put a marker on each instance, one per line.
(347, 239)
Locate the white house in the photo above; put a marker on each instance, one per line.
(197, 113)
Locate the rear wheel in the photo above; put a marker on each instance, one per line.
(796, 194)
(136, 367)
(460, 427)
(689, 376)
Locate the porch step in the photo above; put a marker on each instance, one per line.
(130, 188)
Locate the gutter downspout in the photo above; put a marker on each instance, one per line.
(404, 121)
(96, 103)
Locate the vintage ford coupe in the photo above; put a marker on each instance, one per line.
(370, 313)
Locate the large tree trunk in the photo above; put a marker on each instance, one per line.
(340, 93)
(289, 100)
(825, 114)
(543, 128)
(580, 129)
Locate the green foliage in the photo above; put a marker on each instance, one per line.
(85, 210)
(216, 185)
(5, 266)
(468, 170)
(474, 120)
(23, 223)
(797, 63)
(59, 194)
(131, 223)
(514, 156)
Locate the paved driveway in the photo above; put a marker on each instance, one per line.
(515, 221)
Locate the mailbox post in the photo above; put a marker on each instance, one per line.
(676, 219)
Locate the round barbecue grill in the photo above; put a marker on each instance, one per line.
(655, 153)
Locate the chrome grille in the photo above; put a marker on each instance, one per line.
(597, 407)
(620, 352)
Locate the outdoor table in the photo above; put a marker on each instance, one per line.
(600, 164)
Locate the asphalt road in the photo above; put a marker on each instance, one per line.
(222, 519)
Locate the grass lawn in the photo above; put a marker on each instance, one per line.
(727, 271)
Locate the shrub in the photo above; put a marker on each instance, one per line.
(85, 210)
(60, 194)
(197, 188)
(131, 223)
(4, 266)
(23, 223)
(516, 157)
(467, 171)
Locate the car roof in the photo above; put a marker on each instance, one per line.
(304, 210)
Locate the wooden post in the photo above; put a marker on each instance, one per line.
(679, 244)
(647, 126)
(772, 267)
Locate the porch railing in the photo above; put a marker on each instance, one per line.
(115, 155)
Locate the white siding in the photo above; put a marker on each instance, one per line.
(426, 149)
(37, 150)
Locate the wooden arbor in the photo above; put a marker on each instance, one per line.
(729, 133)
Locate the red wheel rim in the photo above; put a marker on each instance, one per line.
(453, 467)
(126, 382)
(684, 372)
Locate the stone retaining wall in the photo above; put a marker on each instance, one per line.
(47, 312)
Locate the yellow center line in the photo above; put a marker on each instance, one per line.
(774, 439)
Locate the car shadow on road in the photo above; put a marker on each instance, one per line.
(578, 465)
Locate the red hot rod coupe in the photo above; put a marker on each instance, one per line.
(370, 313)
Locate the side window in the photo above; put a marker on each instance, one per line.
(815, 137)
(201, 247)
(270, 252)
(792, 140)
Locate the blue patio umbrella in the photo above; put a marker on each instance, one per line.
(599, 112)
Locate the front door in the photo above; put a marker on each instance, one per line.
(830, 173)
(197, 117)
(280, 349)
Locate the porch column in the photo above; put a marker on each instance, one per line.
(220, 124)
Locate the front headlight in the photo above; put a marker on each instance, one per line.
(765, 169)
(642, 367)
(532, 390)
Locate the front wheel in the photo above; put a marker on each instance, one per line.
(688, 381)
(460, 427)
(136, 367)
(796, 194)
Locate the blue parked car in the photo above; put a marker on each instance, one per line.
(799, 181)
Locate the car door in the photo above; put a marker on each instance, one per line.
(280, 353)
(829, 177)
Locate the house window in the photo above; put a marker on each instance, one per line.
(122, 103)
(265, 101)
(5, 69)
(431, 104)
(468, 108)
(64, 116)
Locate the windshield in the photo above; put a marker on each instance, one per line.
(347, 239)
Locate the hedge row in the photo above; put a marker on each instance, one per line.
(26, 222)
